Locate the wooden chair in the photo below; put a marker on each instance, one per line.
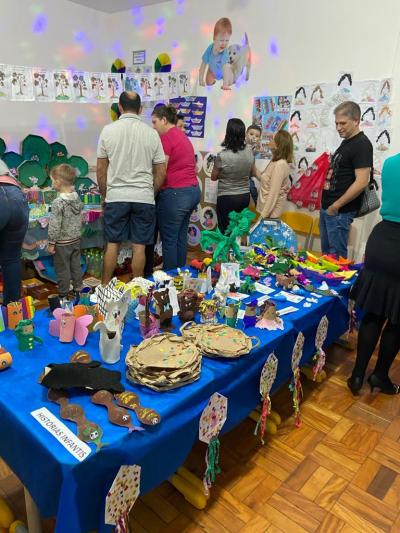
(300, 223)
(315, 234)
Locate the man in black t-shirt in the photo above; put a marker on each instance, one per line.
(346, 180)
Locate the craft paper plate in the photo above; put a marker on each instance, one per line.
(36, 148)
(55, 161)
(58, 150)
(30, 173)
(12, 160)
(81, 166)
(162, 63)
(2, 147)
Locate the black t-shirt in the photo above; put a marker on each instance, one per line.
(353, 153)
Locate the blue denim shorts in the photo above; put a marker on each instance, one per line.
(129, 221)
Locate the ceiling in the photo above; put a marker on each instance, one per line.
(113, 6)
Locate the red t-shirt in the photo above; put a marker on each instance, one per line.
(181, 169)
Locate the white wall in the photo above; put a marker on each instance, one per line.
(314, 39)
(72, 36)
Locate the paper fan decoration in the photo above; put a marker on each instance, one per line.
(162, 63)
(114, 112)
(62, 160)
(35, 148)
(30, 174)
(211, 421)
(58, 150)
(118, 66)
(121, 497)
(12, 160)
(2, 147)
(81, 166)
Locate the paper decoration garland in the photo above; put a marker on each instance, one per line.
(320, 337)
(211, 422)
(162, 63)
(267, 378)
(295, 385)
(122, 495)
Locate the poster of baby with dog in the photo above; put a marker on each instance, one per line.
(221, 61)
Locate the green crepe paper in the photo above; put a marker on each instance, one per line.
(80, 164)
(12, 160)
(31, 173)
(58, 150)
(2, 147)
(36, 148)
(239, 226)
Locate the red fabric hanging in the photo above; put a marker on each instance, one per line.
(307, 191)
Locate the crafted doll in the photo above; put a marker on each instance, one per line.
(25, 335)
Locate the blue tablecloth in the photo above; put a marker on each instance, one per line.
(75, 492)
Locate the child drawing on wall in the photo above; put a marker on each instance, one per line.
(216, 57)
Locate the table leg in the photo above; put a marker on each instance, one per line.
(32, 514)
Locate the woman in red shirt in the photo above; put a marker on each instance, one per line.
(180, 193)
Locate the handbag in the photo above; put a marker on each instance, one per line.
(370, 201)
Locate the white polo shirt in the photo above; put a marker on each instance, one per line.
(132, 147)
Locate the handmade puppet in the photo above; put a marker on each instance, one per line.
(148, 322)
(5, 359)
(287, 282)
(250, 314)
(231, 312)
(14, 314)
(188, 302)
(25, 335)
(208, 311)
(163, 308)
(269, 318)
(67, 327)
(111, 330)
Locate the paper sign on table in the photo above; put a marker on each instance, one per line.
(287, 310)
(260, 287)
(294, 298)
(76, 447)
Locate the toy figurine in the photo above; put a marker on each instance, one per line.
(250, 314)
(231, 313)
(247, 286)
(287, 282)
(68, 327)
(208, 311)
(25, 336)
(188, 301)
(163, 308)
(269, 318)
(5, 359)
(111, 330)
(14, 314)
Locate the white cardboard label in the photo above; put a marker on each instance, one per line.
(76, 447)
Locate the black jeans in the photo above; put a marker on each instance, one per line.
(14, 219)
(228, 203)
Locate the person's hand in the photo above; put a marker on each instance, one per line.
(225, 88)
(332, 210)
(51, 249)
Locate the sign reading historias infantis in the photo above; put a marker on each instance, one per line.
(79, 449)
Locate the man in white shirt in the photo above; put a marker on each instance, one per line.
(130, 171)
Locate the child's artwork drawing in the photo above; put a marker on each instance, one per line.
(21, 83)
(98, 89)
(62, 85)
(43, 85)
(222, 61)
(4, 82)
(81, 86)
(114, 86)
